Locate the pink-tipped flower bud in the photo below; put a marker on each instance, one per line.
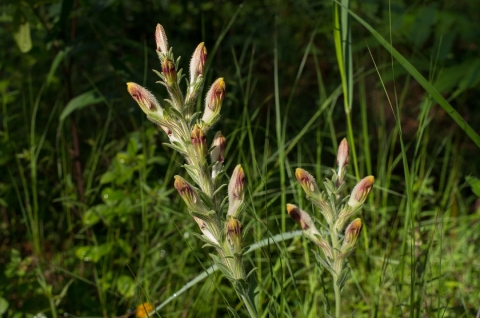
(199, 142)
(214, 101)
(147, 102)
(197, 64)
(351, 234)
(300, 217)
(342, 158)
(219, 144)
(236, 191)
(307, 181)
(361, 191)
(161, 39)
(217, 154)
(169, 71)
(189, 195)
(204, 228)
(304, 220)
(234, 234)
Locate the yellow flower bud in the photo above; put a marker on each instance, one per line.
(300, 217)
(189, 195)
(351, 234)
(199, 142)
(234, 234)
(307, 181)
(169, 71)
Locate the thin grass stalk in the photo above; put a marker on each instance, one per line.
(341, 33)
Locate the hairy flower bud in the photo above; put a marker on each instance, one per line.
(161, 39)
(236, 191)
(342, 159)
(197, 64)
(351, 234)
(189, 195)
(204, 228)
(307, 181)
(219, 143)
(169, 71)
(234, 234)
(199, 142)
(214, 101)
(147, 102)
(217, 153)
(309, 230)
(300, 217)
(361, 191)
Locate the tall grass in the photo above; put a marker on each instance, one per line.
(286, 107)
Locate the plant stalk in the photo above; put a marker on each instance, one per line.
(336, 289)
(249, 303)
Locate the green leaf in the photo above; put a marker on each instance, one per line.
(475, 184)
(111, 197)
(82, 100)
(56, 62)
(3, 305)
(91, 216)
(124, 207)
(126, 286)
(133, 146)
(22, 37)
(93, 253)
(107, 177)
(124, 246)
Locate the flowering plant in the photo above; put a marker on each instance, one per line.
(187, 132)
(336, 210)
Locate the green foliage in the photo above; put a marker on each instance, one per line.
(90, 225)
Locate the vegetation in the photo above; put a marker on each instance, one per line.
(91, 223)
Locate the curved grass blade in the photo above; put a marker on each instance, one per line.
(421, 80)
(274, 239)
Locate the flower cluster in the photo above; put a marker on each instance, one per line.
(187, 132)
(336, 210)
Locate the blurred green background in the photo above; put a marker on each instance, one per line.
(90, 225)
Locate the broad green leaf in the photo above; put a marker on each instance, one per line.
(82, 100)
(3, 305)
(91, 216)
(475, 184)
(93, 253)
(22, 37)
(107, 177)
(124, 246)
(126, 286)
(132, 147)
(111, 197)
(124, 207)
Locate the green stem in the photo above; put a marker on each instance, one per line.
(250, 305)
(336, 289)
